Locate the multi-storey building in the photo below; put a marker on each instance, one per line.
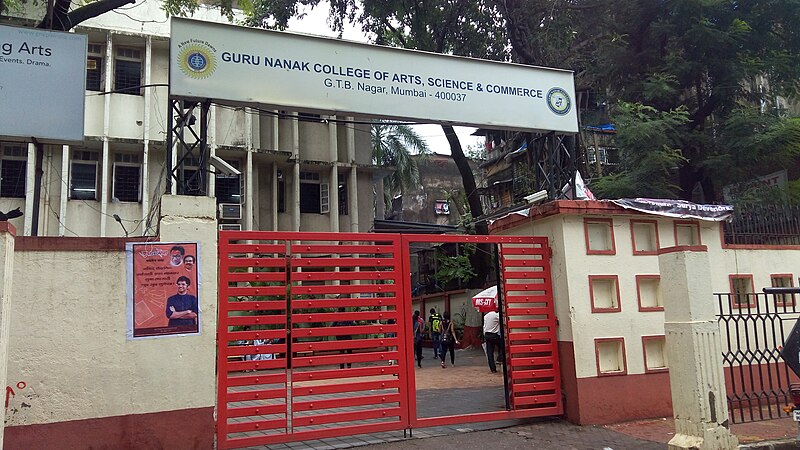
(298, 171)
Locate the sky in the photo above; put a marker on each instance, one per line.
(314, 23)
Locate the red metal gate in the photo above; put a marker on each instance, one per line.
(297, 309)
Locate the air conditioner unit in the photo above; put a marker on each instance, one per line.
(230, 211)
(230, 227)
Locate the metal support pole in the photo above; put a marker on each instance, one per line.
(170, 143)
(37, 187)
(496, 254)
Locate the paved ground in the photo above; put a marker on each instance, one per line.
(469, 387)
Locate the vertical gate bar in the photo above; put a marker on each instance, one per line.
(500, 308)
(404, 322)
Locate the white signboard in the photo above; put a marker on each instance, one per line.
(252, 66)
(42, 84)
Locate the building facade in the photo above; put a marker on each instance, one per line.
(299, 172)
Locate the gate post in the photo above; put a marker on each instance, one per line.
(694, 351)
(7, 234)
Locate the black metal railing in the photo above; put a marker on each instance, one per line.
(753, 329)
(768, 225)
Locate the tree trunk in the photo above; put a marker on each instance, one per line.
(481, 259)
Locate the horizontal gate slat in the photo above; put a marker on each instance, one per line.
(249, 380)
(277, 319)
(256, 334)
(349, 373)
(532, 374)
(343, 249)
(345, 387)
(235, 366)
(253, 277)
(316, 405)
(337, 302)
(344, 344)
(302, 421)
(298, 317)
(509, 299)
(256, 262)
(256, 425)
(241, 350)
(324, 360)
(532, 323)
(342, 262)
(543, 361)
(527, 400)
(507, 262)
(261, 305)
(527, 251)
(256, 248)
(545, 336)
(364, 274)
(257, 291)
(261, 410)
(520, 388)
(346, 289)
(531, 348)
(338, 331)
(263, 394)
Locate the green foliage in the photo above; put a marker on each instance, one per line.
(392, 146)
(648, 141)
(458, 267)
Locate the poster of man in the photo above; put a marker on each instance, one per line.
(163, 286)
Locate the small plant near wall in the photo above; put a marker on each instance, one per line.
(458, 267)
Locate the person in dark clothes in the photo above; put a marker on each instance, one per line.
(182, 307)
(449, 340)
(344, 337)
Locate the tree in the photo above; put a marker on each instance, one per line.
(392, 145)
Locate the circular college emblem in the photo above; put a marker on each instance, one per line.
(558, 101)
(197, 61)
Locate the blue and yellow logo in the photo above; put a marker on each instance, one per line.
(558, 101)
(197, 60)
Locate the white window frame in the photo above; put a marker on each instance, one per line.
(84, 162)
(97, 51)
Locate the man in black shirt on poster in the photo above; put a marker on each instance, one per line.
(182, 308)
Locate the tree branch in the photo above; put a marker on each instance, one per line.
(65, 20)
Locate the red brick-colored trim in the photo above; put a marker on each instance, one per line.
(624, 370)
(655, 337)
(599, 220)
(556, 207)
(694, 223)
(7, 227)
(639, 293)
(790, 276)
(596, 309)
(181, 429)
(682, 248)
(633, 237)
(751, 297)
(75, 244)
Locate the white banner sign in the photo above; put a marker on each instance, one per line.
(253, 66)
(42, 84)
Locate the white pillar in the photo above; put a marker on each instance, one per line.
(7, 233)
(694, 351)
(64, 190)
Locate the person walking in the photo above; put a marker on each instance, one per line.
(435, 322)
(491, 332)
(449, 340)
(344, 337)
(418, 329)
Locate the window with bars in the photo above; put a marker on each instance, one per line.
(128, 71)
(83, 175)
(228, 188)
(189, 178)
(343, 198)
(13, 166)
(127, 177)
(94, 68)
(281, 192)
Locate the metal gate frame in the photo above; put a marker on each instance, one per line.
(265, 294)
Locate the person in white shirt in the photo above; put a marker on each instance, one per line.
(491, 332)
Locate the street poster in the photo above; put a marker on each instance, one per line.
(162, 285)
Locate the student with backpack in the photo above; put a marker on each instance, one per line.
(449, 340)
(418, 328)
(435, 321)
